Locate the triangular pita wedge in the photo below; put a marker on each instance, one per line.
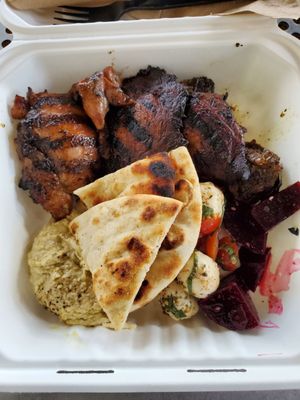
(120, 240)
(182, 238)
(153, 175)
(142, 177)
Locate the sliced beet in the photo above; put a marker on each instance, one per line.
(277, 208)
(231, 306)
(239, 222)
(252, 267)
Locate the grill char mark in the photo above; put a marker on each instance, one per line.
(139, 133)
(36, 119)
(50, 100)
(162, 170)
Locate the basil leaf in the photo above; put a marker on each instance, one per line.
(190, 278)
(170, 307)
(229, 250)
(207, 211)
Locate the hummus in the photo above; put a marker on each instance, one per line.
(59, 278)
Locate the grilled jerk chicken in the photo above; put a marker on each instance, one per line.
(201, 84)
(215, 139)
(59, 135)
(97, 92)
(264, 176)
(217, 146)
(153, 123)
(57, 147)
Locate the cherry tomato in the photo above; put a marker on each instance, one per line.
(228, 254)
(209, 225)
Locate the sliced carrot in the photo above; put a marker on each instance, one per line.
(209, 245)
(212, 244)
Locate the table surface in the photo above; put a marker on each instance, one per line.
(264, 395)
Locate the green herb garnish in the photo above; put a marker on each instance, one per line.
(207, 211)
(170, 307)
(234, 260)
(190, 278)
(229, 250)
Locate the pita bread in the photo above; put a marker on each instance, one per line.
(153, 175)
(181, 241)
(120, 240)
(182, 238)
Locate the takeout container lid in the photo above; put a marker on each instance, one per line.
(24, 30)
(263, 77)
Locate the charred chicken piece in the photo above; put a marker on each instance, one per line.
(153, 123)
(215, 139)
(58, 150)
(264, 176)
(201, 84)
(43, 184)
(20, 107)
(97, 92)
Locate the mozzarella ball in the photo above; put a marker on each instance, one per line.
(213, 205)
(176, 303)
(212, 197)
(200, 276)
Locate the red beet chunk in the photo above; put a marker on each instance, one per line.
(231, 306)
(252, 267)
(277, 208)
(238, 221)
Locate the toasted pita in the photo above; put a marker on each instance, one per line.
(178, 169)
(120, 240)
(153, 175)
(182, 238)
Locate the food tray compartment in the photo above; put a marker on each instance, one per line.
(262, 77)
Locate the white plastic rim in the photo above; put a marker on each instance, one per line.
(25, 24)
(37, 353)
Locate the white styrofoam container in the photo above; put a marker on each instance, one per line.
(37, 353)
